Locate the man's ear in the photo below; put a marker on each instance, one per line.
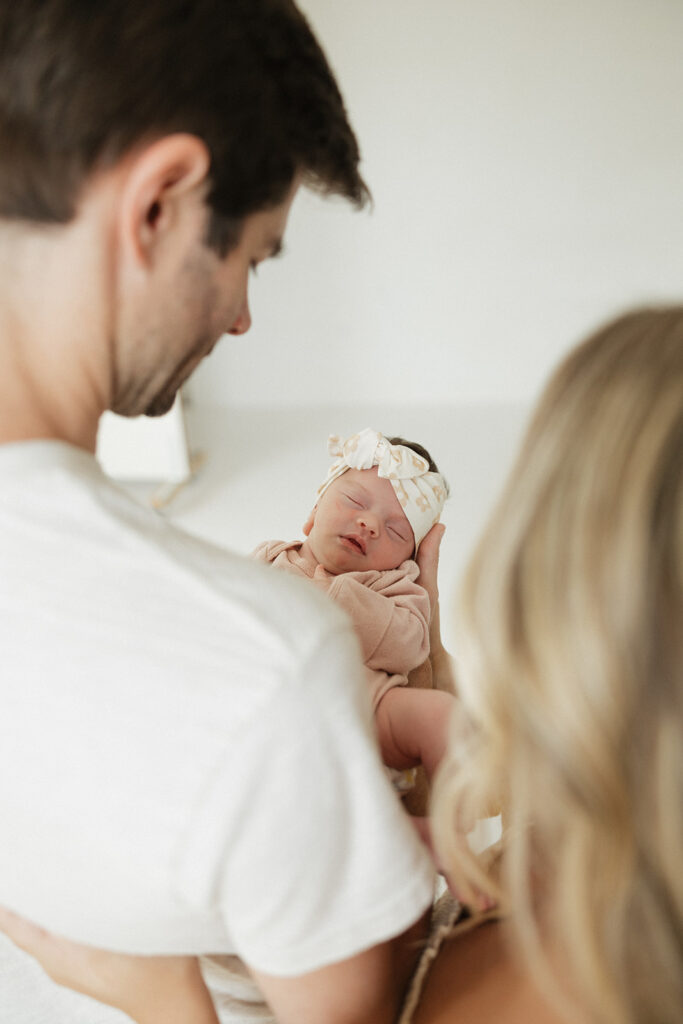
(163, 187)
(308, 525)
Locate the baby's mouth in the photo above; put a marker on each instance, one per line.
(355, 542)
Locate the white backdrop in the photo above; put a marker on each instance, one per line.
(526, 161)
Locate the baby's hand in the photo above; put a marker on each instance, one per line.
(321, 578)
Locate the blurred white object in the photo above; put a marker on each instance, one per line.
(145, 448)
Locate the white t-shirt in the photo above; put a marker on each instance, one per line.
(186, 747)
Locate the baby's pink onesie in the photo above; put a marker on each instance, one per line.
(389, 610)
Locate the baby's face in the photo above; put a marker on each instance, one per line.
(359, 524)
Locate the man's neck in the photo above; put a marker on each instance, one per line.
(47, 404)
(50, 384)
(24, 418)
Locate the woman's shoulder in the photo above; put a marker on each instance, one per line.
(469, 973)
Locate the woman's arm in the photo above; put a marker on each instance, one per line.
(150, 989)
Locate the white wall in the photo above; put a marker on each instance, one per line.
(526, 160)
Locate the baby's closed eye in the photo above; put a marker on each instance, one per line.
(354, 499)
(397, 532)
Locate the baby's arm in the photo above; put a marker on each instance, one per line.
(390, 613)
(413, 727)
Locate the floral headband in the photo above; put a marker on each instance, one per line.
(420, 492)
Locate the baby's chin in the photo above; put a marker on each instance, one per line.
(361, 564)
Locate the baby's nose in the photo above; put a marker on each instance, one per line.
(369, 523)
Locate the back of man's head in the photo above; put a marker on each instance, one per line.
(83, 82)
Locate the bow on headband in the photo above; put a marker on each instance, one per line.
(420, 492)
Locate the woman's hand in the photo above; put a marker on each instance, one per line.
(150, 989)
(428, 563)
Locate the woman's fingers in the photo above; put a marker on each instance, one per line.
(428, 554)
(428, 562)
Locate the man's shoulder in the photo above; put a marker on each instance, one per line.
(283, 601)
(234, 602)
(95, 554)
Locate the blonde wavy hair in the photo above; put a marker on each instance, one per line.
(570, 663)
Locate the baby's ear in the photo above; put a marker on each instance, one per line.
(308, 525)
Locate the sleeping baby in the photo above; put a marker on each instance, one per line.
(379, 500)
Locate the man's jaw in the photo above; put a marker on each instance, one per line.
(165, 397)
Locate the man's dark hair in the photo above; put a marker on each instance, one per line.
(82, 82)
